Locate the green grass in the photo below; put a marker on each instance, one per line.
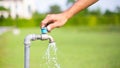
(76, 49)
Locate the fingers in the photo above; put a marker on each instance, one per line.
(52, 26)
(45, 21)
(53, 21)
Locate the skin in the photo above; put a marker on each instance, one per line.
(52, 21)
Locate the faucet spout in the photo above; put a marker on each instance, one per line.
(33, 37)
(46, 36)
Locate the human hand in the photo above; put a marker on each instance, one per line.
(54, 21)
(57, 20)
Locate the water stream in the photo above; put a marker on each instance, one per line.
(50, 56)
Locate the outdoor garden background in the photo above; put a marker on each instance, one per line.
(90, 39)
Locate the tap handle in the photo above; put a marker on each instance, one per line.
(44, 30)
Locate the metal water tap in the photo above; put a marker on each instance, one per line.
(33, 37)
(42, 36)
(45, 36)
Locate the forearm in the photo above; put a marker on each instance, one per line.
(78, 6)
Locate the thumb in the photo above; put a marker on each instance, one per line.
(51, 26)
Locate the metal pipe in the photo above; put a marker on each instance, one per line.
(27, 41)
(27, 56)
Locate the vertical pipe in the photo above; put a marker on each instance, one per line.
(27, 56)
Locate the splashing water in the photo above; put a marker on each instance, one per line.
(51, 56)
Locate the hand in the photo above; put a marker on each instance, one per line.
(57, 20)
(54, 21)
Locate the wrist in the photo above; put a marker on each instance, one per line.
(67, 14)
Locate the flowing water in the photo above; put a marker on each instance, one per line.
(50, 57)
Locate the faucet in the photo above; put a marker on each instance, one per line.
(33, 37)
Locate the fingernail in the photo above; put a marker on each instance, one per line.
(48, 28)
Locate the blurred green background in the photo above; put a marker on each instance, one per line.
(76, 48)
(90, 39)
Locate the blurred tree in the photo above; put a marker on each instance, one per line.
(2, 8)
(55, 9)
(118, 9)
(96, 12)
(108, 12)
(38, 17)
(70, 1)
(85, 12)
(110, 17)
